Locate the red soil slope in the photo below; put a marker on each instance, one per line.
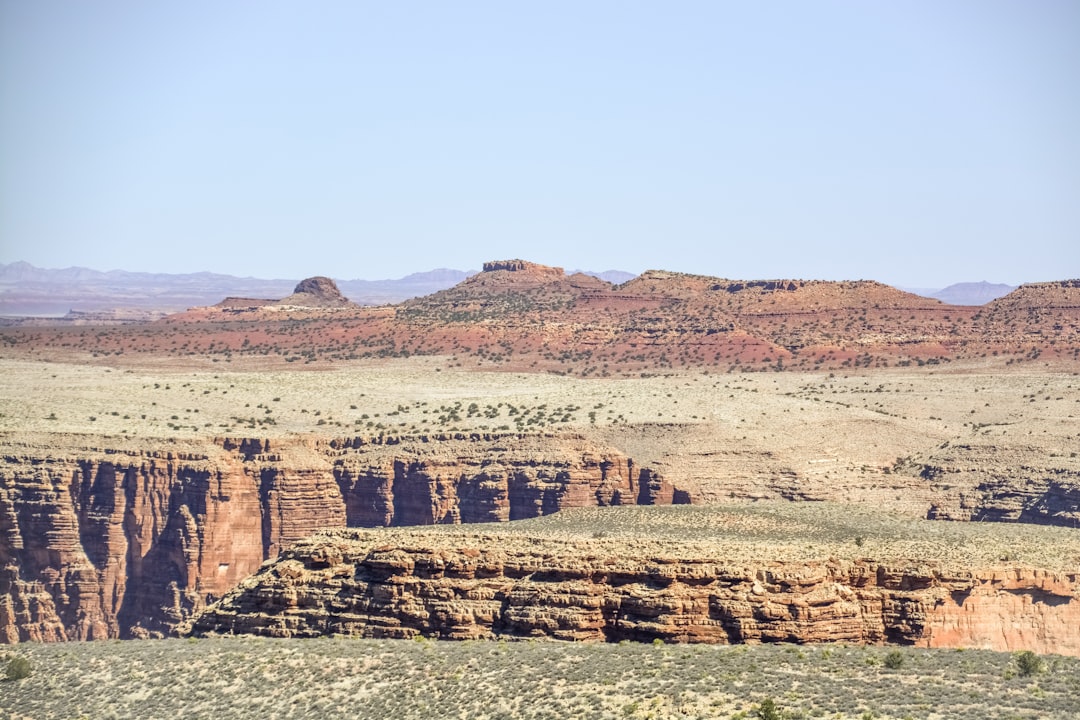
(519, 315)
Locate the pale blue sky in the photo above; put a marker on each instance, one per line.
(919, 142)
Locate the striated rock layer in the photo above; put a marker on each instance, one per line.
(366, 586)
(126, 541)
(104, 537)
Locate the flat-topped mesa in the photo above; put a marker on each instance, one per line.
(524, 266)
(241, 303)
(1053, 294)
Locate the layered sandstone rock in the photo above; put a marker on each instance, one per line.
(481, 587)
(523, 266)
(988, 482)
(129, 541)
(112, 538)
(111, 543)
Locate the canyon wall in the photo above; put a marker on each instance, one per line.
(106, 537)
(367, 585)
(122, 541)
(983, 480)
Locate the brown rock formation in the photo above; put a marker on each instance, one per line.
(127, 541)
(105, 537)
(1009, 610)
(520, 315)
(472, 587)
(989, 482)
(523, 266)
(132, 539)
(111, 543)
(316, 292)
(241, 303)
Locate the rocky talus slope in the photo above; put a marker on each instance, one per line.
(473, 585)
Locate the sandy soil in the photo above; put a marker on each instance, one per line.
(818, 423)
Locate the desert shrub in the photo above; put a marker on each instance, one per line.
(767, 710)
(1028, 663)
(18, 668)
(894, 660)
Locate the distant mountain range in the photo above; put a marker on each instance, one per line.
(26, 290)
(976, 293)
(965, 293)
(29, 290)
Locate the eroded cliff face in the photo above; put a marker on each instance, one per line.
(104, 538)
(110, 544)
(361, 585)
(129, 542)
(981, 481)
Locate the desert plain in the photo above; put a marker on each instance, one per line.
(819, 422)
(855, 497)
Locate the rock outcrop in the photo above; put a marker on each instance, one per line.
(108, 538)
(523, 266)
(320, 293)
(316, 292)
(474, 587)
(988, 482)
(125, 541)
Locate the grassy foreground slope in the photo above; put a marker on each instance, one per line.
(358, 679)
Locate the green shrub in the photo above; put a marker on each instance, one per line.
(1028, 663)
(767, 710)
(894, 660)
(18, 668)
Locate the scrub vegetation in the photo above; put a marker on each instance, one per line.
(358, 679)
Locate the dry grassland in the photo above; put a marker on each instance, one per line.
(749, 534)
(372, 680)
(821, 424)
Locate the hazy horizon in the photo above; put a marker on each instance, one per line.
(919, 145)
(908, 288)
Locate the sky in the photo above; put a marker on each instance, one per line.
(918, 143)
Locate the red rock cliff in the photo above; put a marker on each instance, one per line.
(123, 541)
(475, 587)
